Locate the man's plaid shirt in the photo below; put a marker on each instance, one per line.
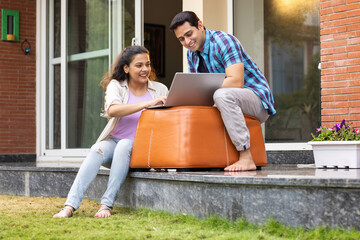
(222, 50)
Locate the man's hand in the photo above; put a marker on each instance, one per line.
(234, 76)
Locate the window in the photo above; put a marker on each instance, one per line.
(83, 38)
(283, 37)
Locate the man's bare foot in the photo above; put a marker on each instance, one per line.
(245, 163)
(104, 212)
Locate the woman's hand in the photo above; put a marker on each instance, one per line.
(157, 101)
(120, 110)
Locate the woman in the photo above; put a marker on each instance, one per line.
(128, 90)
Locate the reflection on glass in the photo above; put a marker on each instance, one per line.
(53, 118)
(292, 39)
(57, 28)
(85, 100)
(88, 25)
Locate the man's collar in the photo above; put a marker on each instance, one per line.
(206, 42)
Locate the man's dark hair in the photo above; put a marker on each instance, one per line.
(182, 17)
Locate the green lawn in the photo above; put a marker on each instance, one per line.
(31, 218)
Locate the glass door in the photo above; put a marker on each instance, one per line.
(84, 38)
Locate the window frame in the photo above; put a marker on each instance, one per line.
(45, 70)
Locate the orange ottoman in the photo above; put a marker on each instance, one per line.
(190, 137)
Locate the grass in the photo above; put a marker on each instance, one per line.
(31, 218)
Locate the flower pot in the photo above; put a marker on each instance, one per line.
(336, 154)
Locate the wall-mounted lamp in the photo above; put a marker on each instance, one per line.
(9, 25)
(25, 47)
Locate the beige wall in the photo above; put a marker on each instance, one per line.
(215, 15)
(212, 12)
(162, 12)
(195, 6)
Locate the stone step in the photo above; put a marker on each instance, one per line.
(298, 195)
(274, 157)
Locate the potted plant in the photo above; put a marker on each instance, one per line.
(336, 147)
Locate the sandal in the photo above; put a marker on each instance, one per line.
(65, 212)
(104, 212)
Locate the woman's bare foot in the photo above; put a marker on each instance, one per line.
(65, 212)
(245, 163)
(104, 212)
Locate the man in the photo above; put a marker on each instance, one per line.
(244, 90)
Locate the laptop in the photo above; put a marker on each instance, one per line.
(193, 89)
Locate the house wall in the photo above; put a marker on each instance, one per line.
(18, 84)
(215, 8)
(340, 61)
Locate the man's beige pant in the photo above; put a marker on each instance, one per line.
(233, 103)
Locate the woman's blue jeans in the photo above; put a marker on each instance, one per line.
(112, 153)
